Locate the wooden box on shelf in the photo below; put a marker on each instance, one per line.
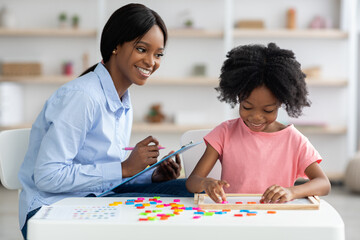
(20, 68)
(313, 72)
(259, 24)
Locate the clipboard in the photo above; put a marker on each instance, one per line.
(182, 149)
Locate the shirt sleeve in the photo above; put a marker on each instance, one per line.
(308, 155)
(70, 116)
(143, 178)
(216, 138)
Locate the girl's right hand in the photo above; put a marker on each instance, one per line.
(141, 156)
(214, 189)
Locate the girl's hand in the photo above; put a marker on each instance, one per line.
(168, 169)
(214, 188)
(276, 194)
(141, 156)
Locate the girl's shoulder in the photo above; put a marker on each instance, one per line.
(225, 127)
(230, 124)
(292, 134)
(279, 126)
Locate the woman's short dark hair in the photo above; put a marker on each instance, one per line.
(250, 66)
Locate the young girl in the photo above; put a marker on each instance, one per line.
(76, 143)
(257, 153)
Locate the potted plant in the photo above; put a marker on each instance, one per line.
(62, 19)
(75, 21)
(188, 23)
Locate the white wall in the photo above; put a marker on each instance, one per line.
(329, 104)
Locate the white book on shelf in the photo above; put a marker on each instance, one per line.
(11, 104)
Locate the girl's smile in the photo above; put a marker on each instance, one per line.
(256, 127)
(259, 111)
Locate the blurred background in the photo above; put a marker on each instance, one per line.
(46, 43)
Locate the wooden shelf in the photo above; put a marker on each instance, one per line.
(285, 33)
(334, 177)
(159, 81)
(51, 32)
(167, 127)
(337, 177)
(139, 127)
(186, 81)
(260, 33)
(195, 33)
(308, 130)
(41, 79)
(326, 82)
(10, 127)
(174, 128)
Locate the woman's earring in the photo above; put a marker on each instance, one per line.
(114, 51)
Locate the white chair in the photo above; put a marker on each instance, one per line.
(13, 147)
(352, 176)
(192, 156)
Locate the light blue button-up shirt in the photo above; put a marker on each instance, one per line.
(76, 143)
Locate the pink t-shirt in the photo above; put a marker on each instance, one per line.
(253, 161)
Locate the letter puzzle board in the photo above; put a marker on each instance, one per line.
(252, 201)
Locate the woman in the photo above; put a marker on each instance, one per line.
(76, 143)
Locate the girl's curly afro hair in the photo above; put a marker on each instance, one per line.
(250, 66)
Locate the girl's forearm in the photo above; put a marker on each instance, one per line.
(194, 184)
(314, 187)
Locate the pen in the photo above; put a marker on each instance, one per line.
(132, 148)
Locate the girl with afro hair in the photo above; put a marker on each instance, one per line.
(257, 153)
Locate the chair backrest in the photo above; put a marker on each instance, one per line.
(13, 147)
(192, 156)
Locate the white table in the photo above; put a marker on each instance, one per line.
(324, 223)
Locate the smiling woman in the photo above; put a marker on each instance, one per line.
(76, 143)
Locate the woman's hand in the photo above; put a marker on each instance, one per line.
(277, 194)
(141, 156)
(168, 169)
(214, 188)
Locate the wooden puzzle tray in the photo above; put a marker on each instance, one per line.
(252, 201)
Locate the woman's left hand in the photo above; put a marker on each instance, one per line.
(168, 169)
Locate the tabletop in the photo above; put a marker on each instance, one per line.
(169, 218)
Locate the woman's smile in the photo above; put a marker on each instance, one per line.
(144, 72)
